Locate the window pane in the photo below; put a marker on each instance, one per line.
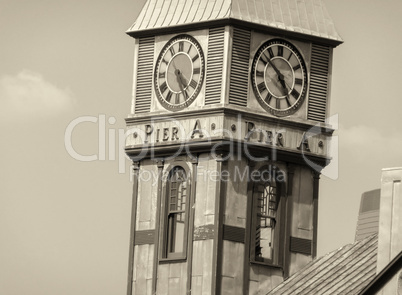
(267, 205)
(265, 242)
(176, 234)
(176, 211)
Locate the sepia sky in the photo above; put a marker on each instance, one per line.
(64, 223)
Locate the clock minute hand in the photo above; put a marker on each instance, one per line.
(274, 67)
(281, 78)
(182, 79)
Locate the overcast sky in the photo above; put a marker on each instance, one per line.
(64, 224)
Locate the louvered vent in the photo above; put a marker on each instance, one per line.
(144, 75)
(317, 105)
(239, 68)
(213, 87)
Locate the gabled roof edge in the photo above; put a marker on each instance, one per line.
(384, 276)
(233, 22)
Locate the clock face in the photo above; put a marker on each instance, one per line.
(279, 77)
(179, 72)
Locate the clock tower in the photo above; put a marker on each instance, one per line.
(228, 136)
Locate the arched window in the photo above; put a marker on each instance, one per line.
(266, 216)
(176, 204)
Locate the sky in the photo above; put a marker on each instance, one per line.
(64, 223)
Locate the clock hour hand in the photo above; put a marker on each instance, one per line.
(283, 83)
(181, 80)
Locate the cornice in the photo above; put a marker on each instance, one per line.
(234, 22)
(138, 153)
(231, 111)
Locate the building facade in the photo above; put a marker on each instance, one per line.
(369, 214)
(228, 136)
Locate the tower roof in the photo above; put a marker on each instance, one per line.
(307, 17)
(344, 271)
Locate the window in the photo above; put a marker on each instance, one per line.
(266, 217)
(176, 204)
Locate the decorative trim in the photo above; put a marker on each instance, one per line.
(234, 233)
(194, 162)
(299, 245)
(143, 93)
(217, 255)
(289, 220)
(249, 236)
(213, 87)
(160, 165)
(283, 154)
(239, 69)
(319, 75)
(144, 237)
(316, 182)
(136, 168)
(204, 232)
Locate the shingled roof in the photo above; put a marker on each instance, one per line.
(309, 17)
(344, 271)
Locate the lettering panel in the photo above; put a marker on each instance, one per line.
(309, 140)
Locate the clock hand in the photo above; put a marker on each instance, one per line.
(182, 79)
(274, 67)
(283, 83)
(281, 77)
(182, 83)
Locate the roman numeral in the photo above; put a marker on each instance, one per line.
(261, 87)
(172, 50)
(268, 98)
(278, 103)
(271, 53)
(195, 58)
(288, 101)
(166, 62)
(264, 58)
(181, 46)
(193, 83)
(280, 51)
(177, 98)
(296, 67)
(163, 87)
(259, 73)
(290, 55)
(188, 51)
(162, 75)
(298, 81)
(185, 94)
(295, 93)
(169, 96)
(196, 71)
